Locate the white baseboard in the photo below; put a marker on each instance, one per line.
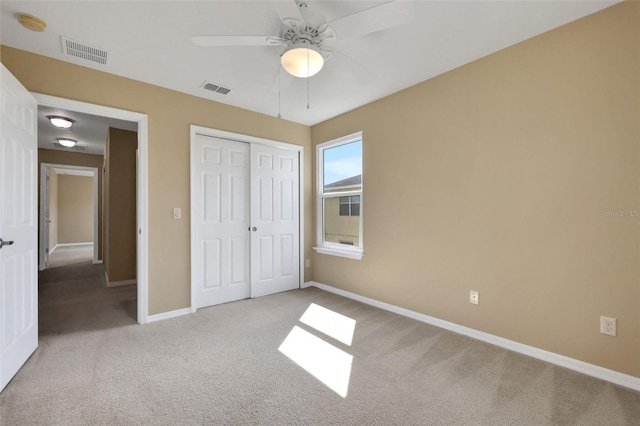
(117, 283)
(97, 262)
(307, 284)
(120, 283)
(68, 245)
(167, 315)
(72, 244)
(618, 378)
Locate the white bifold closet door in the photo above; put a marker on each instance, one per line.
(246, 220)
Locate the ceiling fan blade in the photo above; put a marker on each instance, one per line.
(287, 9)
(237, 40)
(365, 75)
(377, 18)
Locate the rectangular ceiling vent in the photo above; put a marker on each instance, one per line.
(84, 51)
(215, 88)
(78, 147)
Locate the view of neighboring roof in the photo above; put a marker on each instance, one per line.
(345, 183)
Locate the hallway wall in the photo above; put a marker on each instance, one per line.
(75, 209)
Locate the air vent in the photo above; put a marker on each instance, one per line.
(84, 51)
(78, 147)
(215, 88)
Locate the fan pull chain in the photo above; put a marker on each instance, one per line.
(279, 72)
(308, 78)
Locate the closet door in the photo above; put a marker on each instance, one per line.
(275, 220)
(220, 221)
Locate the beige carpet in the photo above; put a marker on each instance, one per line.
(70, 255)
(222, 366)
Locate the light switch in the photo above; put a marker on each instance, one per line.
(177, 213)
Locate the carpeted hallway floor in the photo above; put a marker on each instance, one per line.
(73, 296)
(222, 365)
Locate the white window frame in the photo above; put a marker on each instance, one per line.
(323, 247)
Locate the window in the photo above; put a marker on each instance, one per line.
(339, 197)
(350, 206)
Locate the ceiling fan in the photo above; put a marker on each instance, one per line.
(307, 37)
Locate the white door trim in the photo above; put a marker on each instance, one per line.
(44, 230)
(142, 184)
(44, 208)
(238, 137)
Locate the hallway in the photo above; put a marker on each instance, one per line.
(73, 296)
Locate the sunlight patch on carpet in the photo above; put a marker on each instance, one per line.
(325, 362)
(321, 359)
(331, 323)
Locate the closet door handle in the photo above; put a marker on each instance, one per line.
(254, 229)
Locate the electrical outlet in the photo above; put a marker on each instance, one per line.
(608, 326)
(308, 263)
(474, 297)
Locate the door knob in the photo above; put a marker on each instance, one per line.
(5, 243)
(254, 229)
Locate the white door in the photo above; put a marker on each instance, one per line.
(275, 220)
(220, 221)
(18, 224)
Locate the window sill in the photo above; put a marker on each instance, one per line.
(340, 253)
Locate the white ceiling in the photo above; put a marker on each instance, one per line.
(150, 41)
(89, 130)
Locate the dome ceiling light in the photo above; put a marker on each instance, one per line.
(60, 122)
(302, 60)
(67, 143)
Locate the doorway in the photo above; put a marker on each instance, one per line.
(141, 184)
(52, 222)
(246, 211)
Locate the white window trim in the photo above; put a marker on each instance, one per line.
(334, 249)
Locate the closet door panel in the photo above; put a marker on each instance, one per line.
(221, 221)
(275, 249)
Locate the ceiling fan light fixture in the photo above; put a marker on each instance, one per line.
(67, 143)
(302, 60)
(60, 122)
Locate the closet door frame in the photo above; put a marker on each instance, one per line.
(237, 137)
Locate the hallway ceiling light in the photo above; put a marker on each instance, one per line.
(60, 122)
(68, 143)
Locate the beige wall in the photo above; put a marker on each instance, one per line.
(52, 156)
(120, 205)
(75, 209)
(504, 169)
(170, 114)
(53, 209)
